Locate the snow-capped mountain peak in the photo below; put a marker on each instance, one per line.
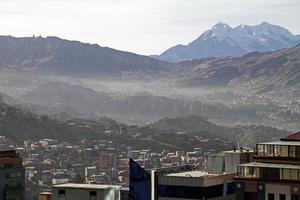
(223, 40)
(222, 25)
(219, 31)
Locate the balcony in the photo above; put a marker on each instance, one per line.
(280, 149)
(271, 172)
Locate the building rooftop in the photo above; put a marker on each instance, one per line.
(87, 186)
(287, 143)
(239, 151)
(45, 193)
(192, 174)
(292, 137)
(269, 165)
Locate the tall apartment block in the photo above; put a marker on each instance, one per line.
(274, 173)
(12, 176)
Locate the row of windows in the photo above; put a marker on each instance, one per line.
(268, 173)
(278, 150)
(13, 175)
(271, 196)
(187, 192)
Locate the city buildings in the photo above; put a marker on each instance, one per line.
(107, 160)
(179, 182)
(86, 192)
(12, 176)
(274, 174)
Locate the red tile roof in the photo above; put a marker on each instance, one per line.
(292, 137)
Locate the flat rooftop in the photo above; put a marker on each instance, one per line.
(193, 174)
(87, 186)
(287, 143)
(238, 151)
(268, 165)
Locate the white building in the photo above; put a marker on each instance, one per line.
(86, 192)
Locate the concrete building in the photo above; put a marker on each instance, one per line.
(216, 163)
(227, 161)
(236, 157)
(179, 182)
(86, 192)
(274, 174)
(12, 176)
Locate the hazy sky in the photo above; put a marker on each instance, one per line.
(140, 26)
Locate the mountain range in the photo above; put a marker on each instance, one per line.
(63, 57)
(222, 40)
(65, 79)
(279, 68)
(19, 125)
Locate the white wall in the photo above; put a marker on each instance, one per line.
(278, 189)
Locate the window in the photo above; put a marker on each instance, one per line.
(250, 196)
(297, 151)
(248, 172)
(10, 175)
(286, 174)
(294, 174)
(270, 150)
(292, 151)
(271, 196)
(281, 151)
(270, 173)
(282, 197)
(61, 194)
(240, 171)
(260, 150)
(294, 197)
(93, 195)
(256, 172)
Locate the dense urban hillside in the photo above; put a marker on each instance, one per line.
(20, 125)
(246, 135)
(279, 68)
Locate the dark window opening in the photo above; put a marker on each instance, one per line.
(61, 191)
(250, 196)
(294, 197)
(271, 196)
(282, 197)
(93, 193)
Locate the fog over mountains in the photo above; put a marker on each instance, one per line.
(222, 40)
(69, 79)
